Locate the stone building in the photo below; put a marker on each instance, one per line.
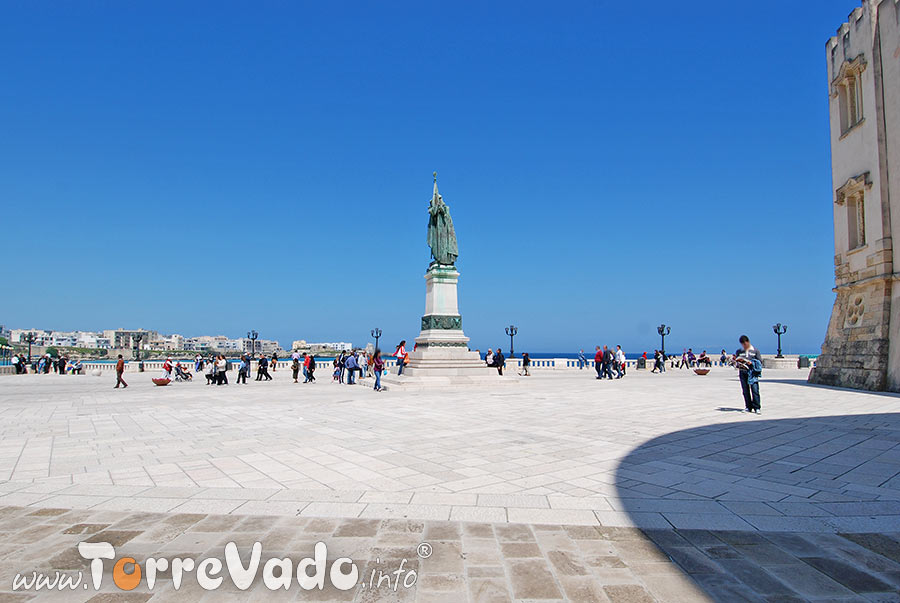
(862, 345)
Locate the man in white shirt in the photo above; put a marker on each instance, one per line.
(620, 362)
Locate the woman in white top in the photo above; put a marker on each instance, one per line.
(401, 356)
(221, 367)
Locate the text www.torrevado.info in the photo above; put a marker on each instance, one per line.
(277, 573)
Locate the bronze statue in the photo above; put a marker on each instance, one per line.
(441, 236)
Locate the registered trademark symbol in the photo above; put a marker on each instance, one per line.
(424, 550)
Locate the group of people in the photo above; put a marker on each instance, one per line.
(606, 361)
(496, 360)
(45, 364)
(307, 363)
(350, 366)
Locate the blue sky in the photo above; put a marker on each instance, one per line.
(213, 167)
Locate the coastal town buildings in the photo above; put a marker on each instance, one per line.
(862, 344)
(125, 339)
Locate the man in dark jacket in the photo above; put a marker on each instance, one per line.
(499, 361)
(607, 362)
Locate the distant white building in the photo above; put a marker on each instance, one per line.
(126, 338)
(41, 336)
(166, 342)
(339, 346)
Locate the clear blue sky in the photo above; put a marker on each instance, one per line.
(212, 167)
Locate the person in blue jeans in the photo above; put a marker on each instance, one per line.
(400, 354)
(749, 362)
(351, 366)
(378, 367)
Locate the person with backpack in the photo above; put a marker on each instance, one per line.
(748, 360)
(401, 356)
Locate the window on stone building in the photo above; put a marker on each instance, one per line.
(856, 220)
(847, 88)
(852, 195)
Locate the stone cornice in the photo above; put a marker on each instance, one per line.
(848, 69)
(853, 185)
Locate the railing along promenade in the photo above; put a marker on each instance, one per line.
(325, 366)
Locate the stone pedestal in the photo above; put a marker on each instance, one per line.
(442, 353)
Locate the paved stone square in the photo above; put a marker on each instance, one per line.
(653, 487)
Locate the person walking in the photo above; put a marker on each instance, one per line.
(749, 362)
(499, 361)
(306, 360)
(120, 368)
(274, 362)
(526, 362)
(620, 362)
(310, 369)
(401, 356)
(598, 362)
(243, 369)
(210, 372)
(378, 367)
(582, 360)
(607, 362)
(264, 369)
(723, 359)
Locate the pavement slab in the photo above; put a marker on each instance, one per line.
(557, 488)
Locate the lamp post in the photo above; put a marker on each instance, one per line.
(376, 333)
(780, 330)
(29, 339)
(136, 344)
(252, 336)
(663, 330)
(511, 330)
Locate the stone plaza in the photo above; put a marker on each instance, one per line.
(652, 487)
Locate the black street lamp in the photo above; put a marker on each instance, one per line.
(376, 333)
(136, 344)
(663, 330)
(511, 330)
(780, 330)
(29, 339)
(252, 336)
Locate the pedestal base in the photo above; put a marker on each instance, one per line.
(442, 353)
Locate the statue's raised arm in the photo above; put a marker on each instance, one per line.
(441, 236)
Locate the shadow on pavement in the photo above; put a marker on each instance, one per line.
(785, 509)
